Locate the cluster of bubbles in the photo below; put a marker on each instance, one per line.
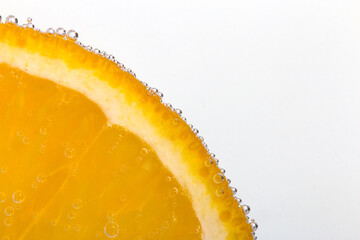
(73, 35)
(18, 197)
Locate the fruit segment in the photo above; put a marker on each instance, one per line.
(67, 174)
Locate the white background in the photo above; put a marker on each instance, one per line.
(272, 85)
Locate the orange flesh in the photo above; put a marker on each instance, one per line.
(66, 174)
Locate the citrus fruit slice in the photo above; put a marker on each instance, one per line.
(88, 152)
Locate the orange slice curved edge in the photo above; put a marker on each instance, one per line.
(88, 152)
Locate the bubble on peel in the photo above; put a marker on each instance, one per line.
(11, 19)
(143, 151)
(69, 152)
(233, 190)
(26, 140)
(209, 162)
(18, 197)
(8, 221)
(72, 34)
(246, 209)
(19, 133)
(60, 31)
(173, 192)
(111, 229)
(218, 178)
(77, 228)
(41, 178)
(254, 225)
(219, 192)
(54, 222)
(168, 179)
(72, 214)
(50, 31)
(9, 211)
(175, 121)
(77, 204)
(2, 197)
(239, 201)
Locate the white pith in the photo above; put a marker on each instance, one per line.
(118, 111)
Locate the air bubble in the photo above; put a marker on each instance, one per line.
(18, 197)
(54, 222)
(111, 215)
(254, 225)
(165, 225)
(11, 19)
(143, 151)
(173, 192)
(77, 228)
(50, 31)
(26, 140)
(50, 118)
(35, 184)
(178, 111)
(175, 121)
(77, 204)
(246, 209)
(233, 190)
(97, 51)
(111, 229)
(2, 197)
(218, 178)
(71, 214)
(4, 169)
(41, 178)
(43, 130)
(168, 179)
(209, 162)
(72, 34)
(42, 150)
(29, 23)
(69, 152)
(19, 133)
(8, 221)
(60, 31)
(239, 201)
(9, 211)
(219, 192)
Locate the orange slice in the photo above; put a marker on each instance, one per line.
(88, 152)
